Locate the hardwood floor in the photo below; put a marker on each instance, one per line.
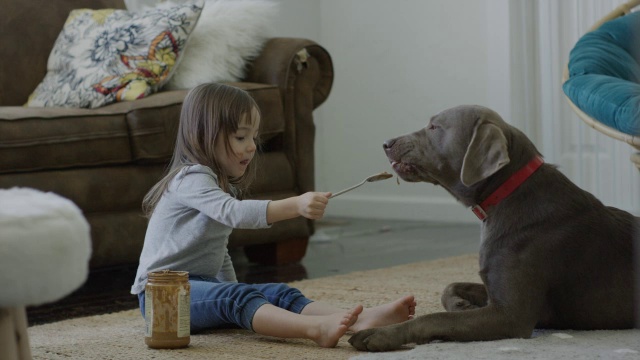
(339, 246)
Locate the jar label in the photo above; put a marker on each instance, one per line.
(184, 313)
(148, 313)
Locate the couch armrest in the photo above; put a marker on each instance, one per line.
(303, 71)
(282, 59)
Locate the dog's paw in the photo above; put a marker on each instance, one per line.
(462, 305)
(455, 303)
(377, 339)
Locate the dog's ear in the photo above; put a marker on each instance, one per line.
(486, 154)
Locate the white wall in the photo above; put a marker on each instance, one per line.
(399, 62)
(396, 64)
(299, 18)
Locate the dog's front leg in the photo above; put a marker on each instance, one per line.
(486, 323)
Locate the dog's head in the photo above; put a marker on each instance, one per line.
(458, 148)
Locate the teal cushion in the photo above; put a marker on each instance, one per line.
(604, 74)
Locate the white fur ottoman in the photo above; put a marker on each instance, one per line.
(45, 249)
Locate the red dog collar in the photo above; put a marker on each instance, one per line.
(507, 187)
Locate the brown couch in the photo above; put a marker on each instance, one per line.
(106, 159)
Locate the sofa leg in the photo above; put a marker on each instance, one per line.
(278, 253)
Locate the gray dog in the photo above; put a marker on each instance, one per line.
(551, 255)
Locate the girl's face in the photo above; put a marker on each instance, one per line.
(243, 146)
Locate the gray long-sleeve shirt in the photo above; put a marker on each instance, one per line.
(190, 227)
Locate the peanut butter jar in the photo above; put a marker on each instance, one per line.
(167, 310)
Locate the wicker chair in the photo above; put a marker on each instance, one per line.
(631, 139)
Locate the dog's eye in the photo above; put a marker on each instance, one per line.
(432, 127)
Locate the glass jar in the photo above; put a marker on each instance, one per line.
(167, 310)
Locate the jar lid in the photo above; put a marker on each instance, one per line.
(168, 275)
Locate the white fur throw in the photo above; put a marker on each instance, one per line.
(45, 244)
(227, 35)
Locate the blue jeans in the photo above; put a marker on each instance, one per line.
(216, 304)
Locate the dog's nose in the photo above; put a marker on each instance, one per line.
(388, 144)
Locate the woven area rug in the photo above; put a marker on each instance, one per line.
(121, 335)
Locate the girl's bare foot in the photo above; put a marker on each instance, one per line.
(395, 312)
(331, 327)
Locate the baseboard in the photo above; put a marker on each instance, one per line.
(434, 209)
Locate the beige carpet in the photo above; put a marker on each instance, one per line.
(120, 336)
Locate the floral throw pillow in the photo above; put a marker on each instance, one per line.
(105, 56)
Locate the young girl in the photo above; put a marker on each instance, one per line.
(193, 209)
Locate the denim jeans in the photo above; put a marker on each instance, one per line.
(216, 304)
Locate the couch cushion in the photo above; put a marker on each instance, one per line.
(139, 131)
(604, 74)
(154, 127)
(36, 139)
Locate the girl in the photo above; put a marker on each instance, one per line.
(193, 209)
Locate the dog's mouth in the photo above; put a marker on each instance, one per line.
(403, 167)
(411, 172)
(406, 171)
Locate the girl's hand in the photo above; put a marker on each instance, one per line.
(312, 204)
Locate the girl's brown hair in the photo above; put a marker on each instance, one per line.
(210, 112)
